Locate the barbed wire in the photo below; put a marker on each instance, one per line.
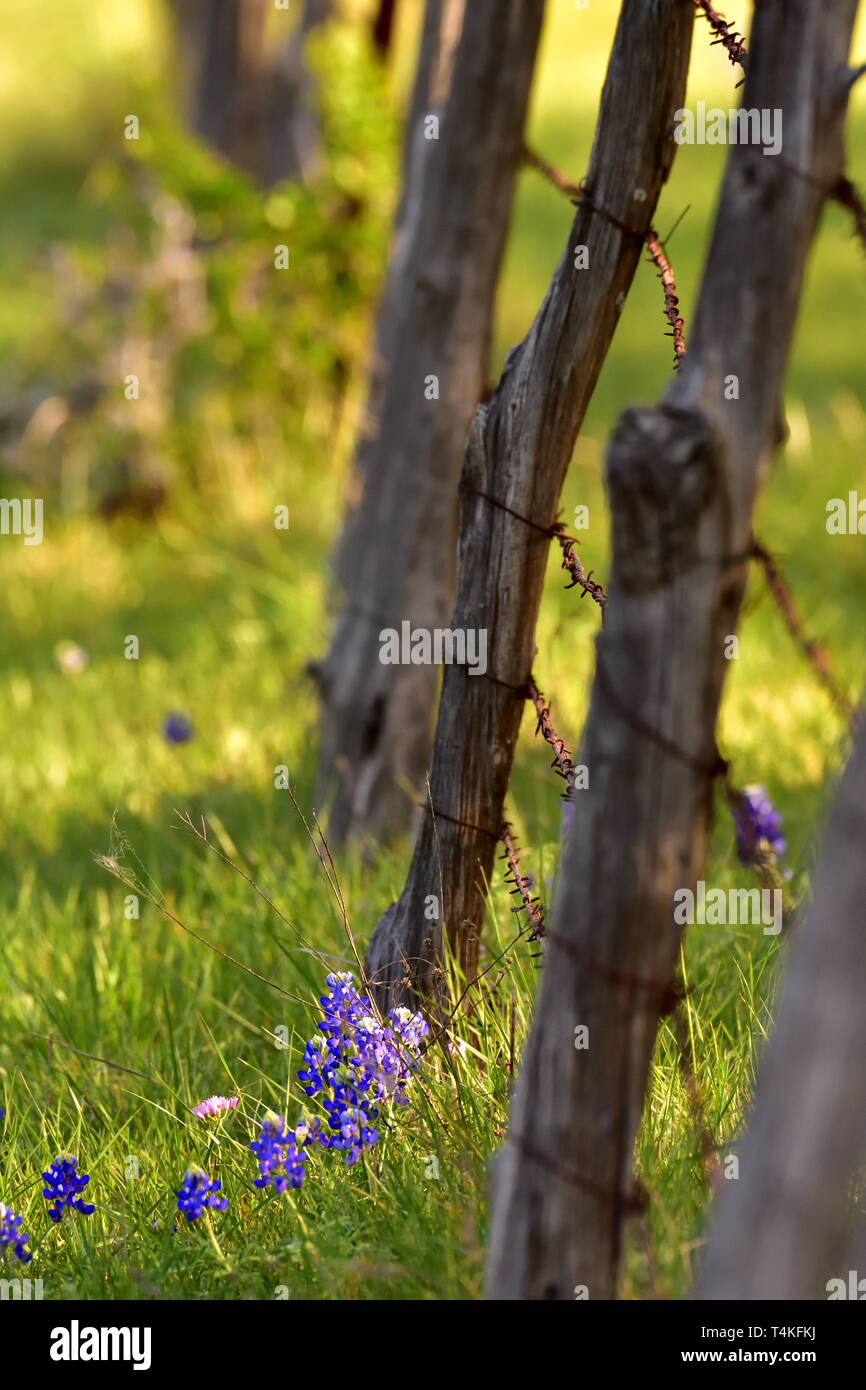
(561, 754)
(733, 43)
(570, 560)
(580, 578)
(550, 172)
(523, 886)
(814, 652)
(666, 275)
(843, 191)
(578, 194)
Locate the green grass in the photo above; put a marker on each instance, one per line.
(228, 611)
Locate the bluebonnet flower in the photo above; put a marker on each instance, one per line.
(176, 728)
(355, 1134)
(197, 1192)
(65, 1185)
(410, 1028)
(11, 1235)
(280, 1151)
(356, 1062)
(758, 826)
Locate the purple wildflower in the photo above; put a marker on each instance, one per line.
(354, 1062)
(11, 1235)
(65, 1185)
(280, 1151)
(176, 728)
(197, 1193)
(758, 826)
(355, 1135)
(358, 1063)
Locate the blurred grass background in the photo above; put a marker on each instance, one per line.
(153, 257)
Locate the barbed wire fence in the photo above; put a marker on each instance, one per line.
(530, 906)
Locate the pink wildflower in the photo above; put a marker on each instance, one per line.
(214, 1105)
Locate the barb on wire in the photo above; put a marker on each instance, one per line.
(733, 43)
(845, 193)
(666, 275)
(532, 906)
(579, 577)
(562, 763)
(813, 651)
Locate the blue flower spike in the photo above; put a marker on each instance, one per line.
(65, 1186)
(198, 1194)
(11, 1235)
(758, 826)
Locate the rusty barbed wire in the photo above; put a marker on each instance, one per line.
(733, 43)
(843, 191)
(532, 906)
(562, 763)
(580, 579)
(578, 194)
(550, 172)
(504, 507)
(571, 562)
(814, 652)
(666, 275)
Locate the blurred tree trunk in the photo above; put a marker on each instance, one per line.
(257, 110)
(395, 560)
(682, 481)
(289, 131)
(780, 1229)
(518, 451)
